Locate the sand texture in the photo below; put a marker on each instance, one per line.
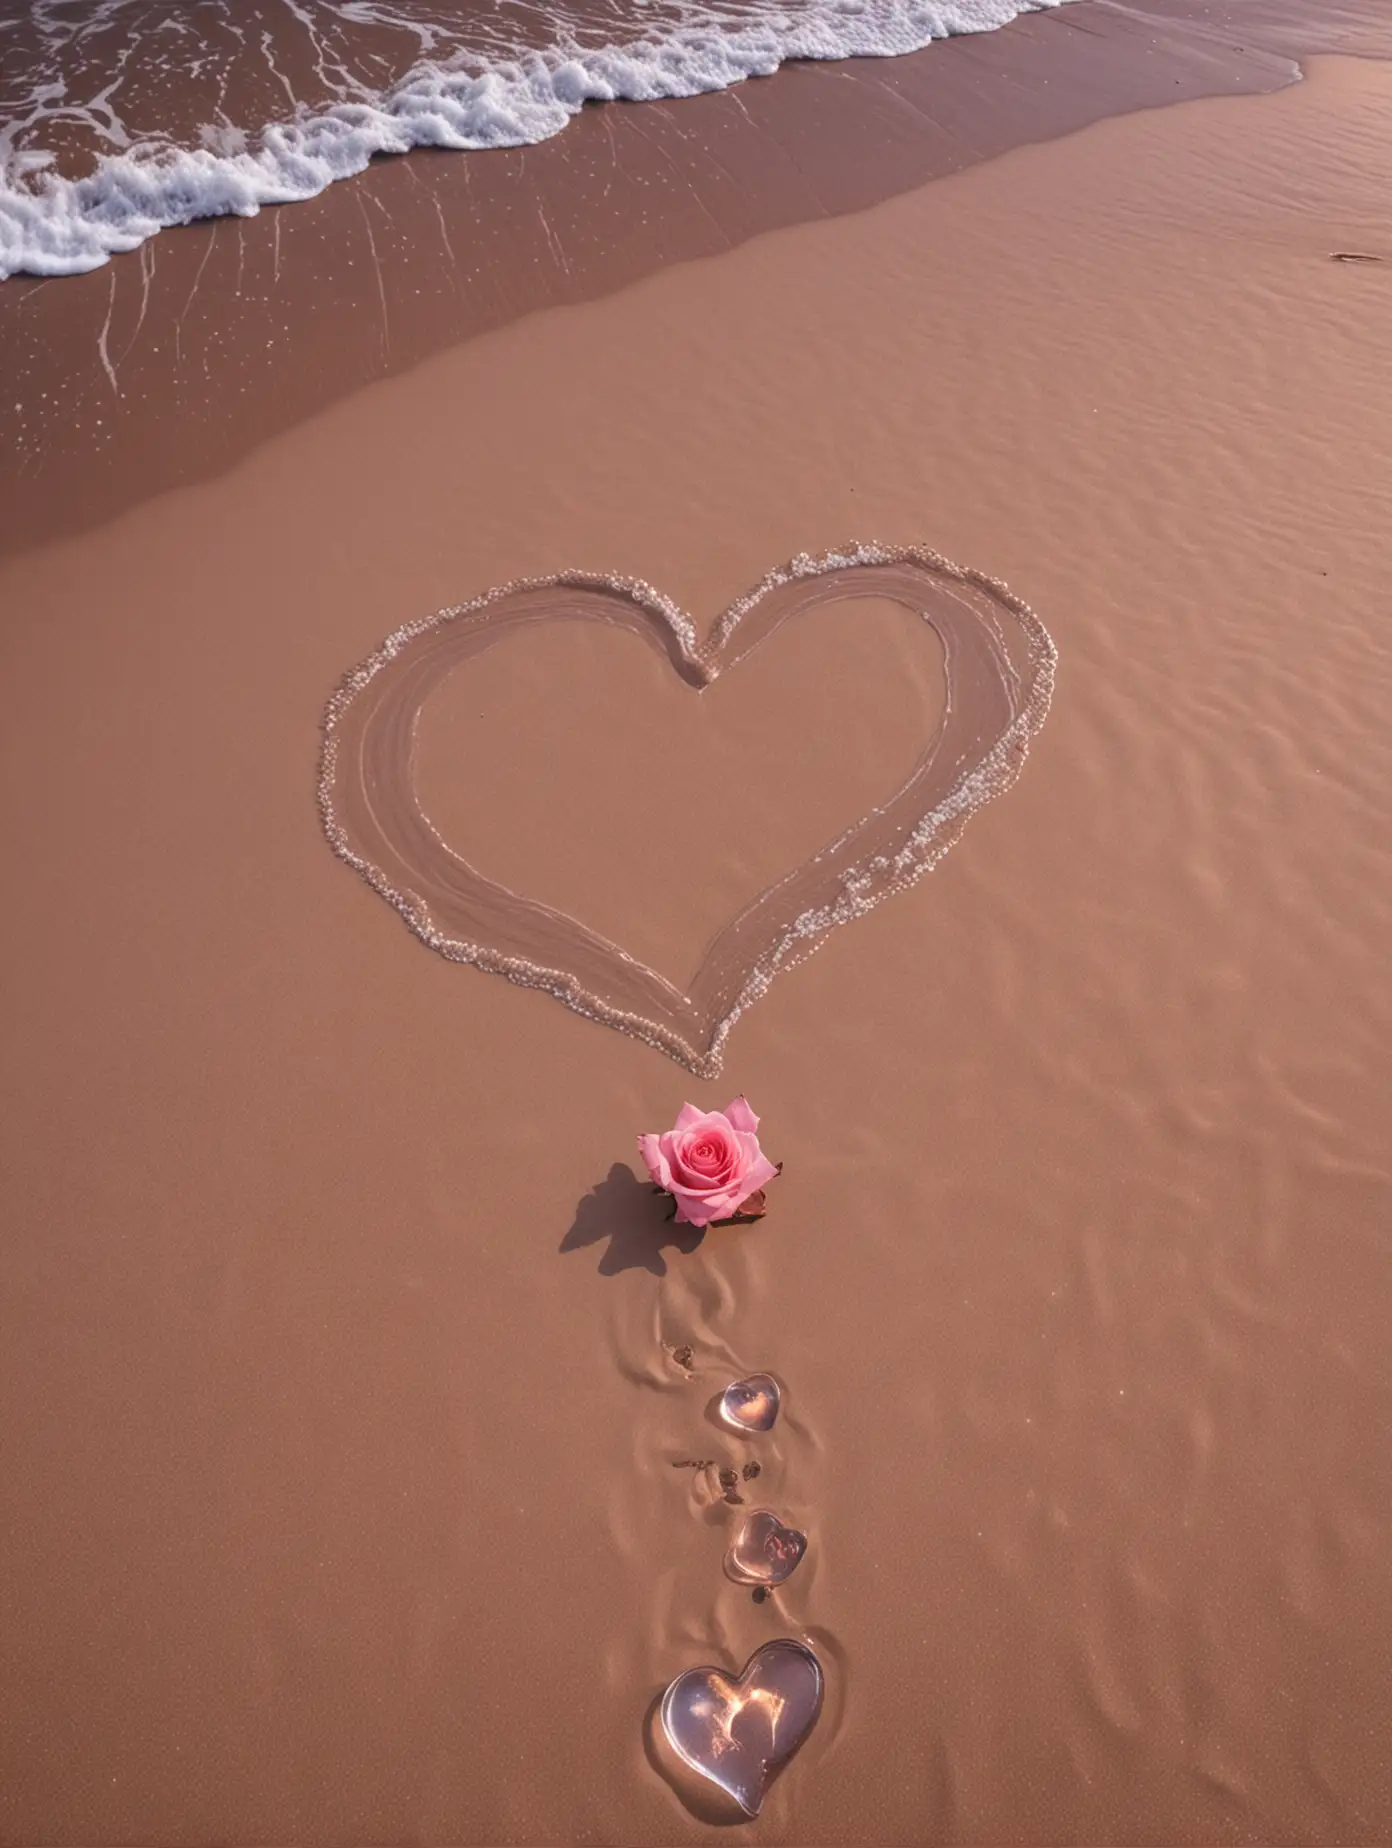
(341, 1342)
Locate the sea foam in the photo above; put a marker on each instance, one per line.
(456, 96)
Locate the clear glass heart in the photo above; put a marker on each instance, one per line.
(751, 1404)
(765, 1552)
(740, 1733)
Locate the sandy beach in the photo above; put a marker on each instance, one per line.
(349, 1412)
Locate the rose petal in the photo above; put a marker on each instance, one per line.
(670, 1144)
(758, 1169)
(720, 1205)
(748, 1184)
(710, 1156)
(689, 1116)
(740, 1116)
(753, 1206)
(655, 1160)
(691, 1211)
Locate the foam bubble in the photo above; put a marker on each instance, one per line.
(458, 96)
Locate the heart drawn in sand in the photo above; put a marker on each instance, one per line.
(740, 1733)
(999, 668)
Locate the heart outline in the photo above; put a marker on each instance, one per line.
(371, 710)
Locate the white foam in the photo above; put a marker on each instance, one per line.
(54, 225)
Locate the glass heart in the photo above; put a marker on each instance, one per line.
(999, 666)
(765, 1552)
(751, 1404)
(741, 1733)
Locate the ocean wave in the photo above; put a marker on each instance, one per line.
(466, 88)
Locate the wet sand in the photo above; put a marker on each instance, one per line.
(340, 1337)
(164, 367)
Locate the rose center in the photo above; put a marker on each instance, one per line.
(709, 1156)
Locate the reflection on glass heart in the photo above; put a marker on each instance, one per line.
(751, 1404)
(765, 1552)
(741, 1733)
(999, 664)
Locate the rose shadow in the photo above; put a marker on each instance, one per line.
(636, 1222)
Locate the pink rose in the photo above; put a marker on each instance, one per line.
(710, 1162)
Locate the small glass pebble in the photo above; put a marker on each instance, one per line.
(751, 1405)
(765, 1552)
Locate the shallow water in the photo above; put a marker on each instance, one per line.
(124, 117)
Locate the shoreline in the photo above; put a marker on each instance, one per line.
(166, 366)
